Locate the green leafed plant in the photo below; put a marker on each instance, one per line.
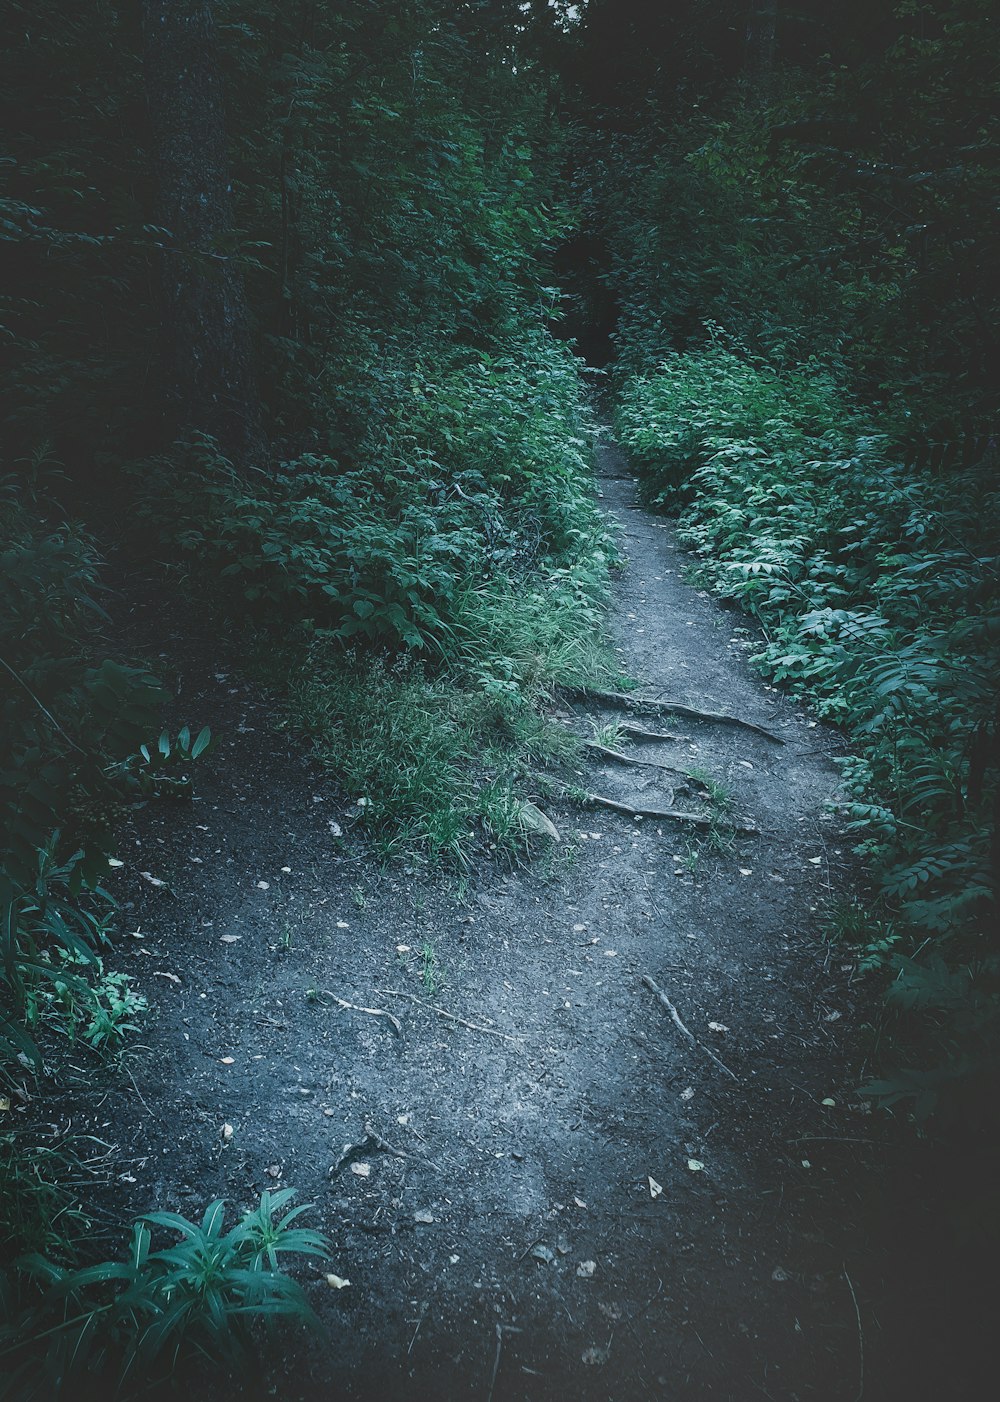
(120, 1326)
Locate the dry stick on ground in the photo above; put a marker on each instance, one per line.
(501, 1330)
(373, 1012)
(676, 815)
(861, 1339)
(452, 1017)
(652, 703)
(373, 1143)
(675, 1018)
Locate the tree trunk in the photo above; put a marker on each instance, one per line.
(208, 354)
(761, 42)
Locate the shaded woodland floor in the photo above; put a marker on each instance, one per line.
(538, 1187)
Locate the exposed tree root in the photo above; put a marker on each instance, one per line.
(452, 1017)
(652, 703)
(609, 753)
(697, 820)
(373, 1012)
(675, 1018)
(636, 732)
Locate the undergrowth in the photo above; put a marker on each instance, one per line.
(76, 731)
(119, 1327)
(426, 602)
(876, 583)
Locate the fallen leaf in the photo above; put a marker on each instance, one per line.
(717, 1027)
(695, 1165)
(226, 1133)
(114, 862)
(4, 1102)
(423, 1216)
(563, 1246)
(342, 925)
(806, 1163)
(746, 871)
(335, 829)
(541, 1252)
(580, 1203)
(153, 880)
(828, 1101)
(228, 1060)
(162, 973)
(815, 861)
(586, 1269)
(337, 1282)
(263, 885)
(363, 1170)
(655, 1189)
(230, 939)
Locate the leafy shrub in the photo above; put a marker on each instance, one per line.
(52, 973)
(877, 586)
(123, 1325)
(470, 542)
(482, 470)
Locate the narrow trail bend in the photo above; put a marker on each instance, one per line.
(593, 1205)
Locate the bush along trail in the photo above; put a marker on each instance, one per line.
(590, 1128)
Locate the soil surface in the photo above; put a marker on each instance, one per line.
(573, 1193)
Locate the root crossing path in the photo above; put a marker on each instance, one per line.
(587, 1134)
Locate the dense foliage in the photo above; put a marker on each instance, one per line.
(807, 286)
(875, 582)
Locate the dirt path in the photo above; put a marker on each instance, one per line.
(519, 1249)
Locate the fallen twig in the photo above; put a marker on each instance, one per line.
(452, 1017)
(423, 1316)
(652, 703)
(373, 1143)
(861, 1339)
(501, 1330)
(675, 1017)
(677, 815)
(372, 1012)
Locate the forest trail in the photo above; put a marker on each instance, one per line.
(554, 1192)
